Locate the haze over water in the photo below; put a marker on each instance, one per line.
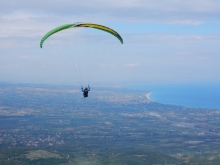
(189, 95)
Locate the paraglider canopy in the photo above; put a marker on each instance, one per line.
(80, 24)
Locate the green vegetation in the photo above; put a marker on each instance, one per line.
(126, 156)
(20, 156)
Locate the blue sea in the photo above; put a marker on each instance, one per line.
(206, 95)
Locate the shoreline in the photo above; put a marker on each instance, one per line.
(148, 96)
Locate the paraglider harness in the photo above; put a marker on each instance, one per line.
(85, 91)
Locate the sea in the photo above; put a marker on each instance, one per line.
(195, 95)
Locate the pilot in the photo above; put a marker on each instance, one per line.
(85, 91)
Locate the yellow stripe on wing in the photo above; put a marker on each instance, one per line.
(98, 27)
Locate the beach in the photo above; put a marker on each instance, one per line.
(148, 96)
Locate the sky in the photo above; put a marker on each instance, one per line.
(164, 41)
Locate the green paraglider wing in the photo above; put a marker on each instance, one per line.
(79, 24)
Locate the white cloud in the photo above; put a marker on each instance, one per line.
(28, 57)
(132, 65)
(169, 11)
(22, 24)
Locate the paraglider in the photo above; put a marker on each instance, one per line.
(81, 24)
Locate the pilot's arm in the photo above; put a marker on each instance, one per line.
(82, 89)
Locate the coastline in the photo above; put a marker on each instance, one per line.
(148, 96)
(187, 95)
